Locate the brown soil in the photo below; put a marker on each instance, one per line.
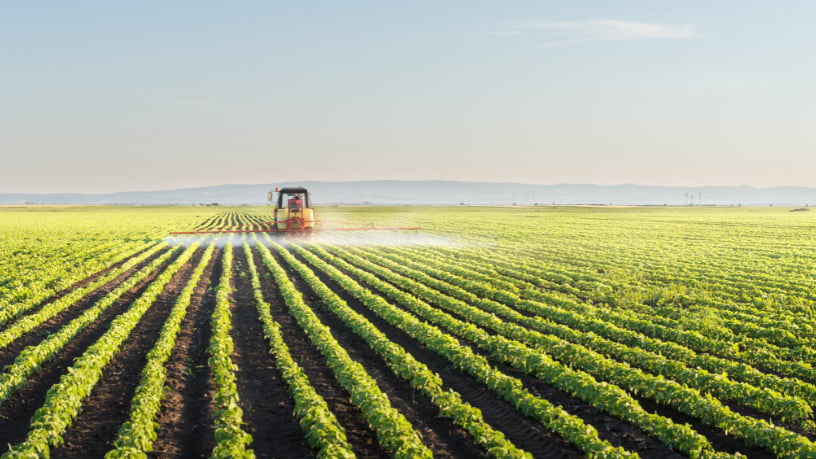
(108, 406)
(621, 433)
(186, 421)
(268, 407)
(610, 428)
(39, 333)
(440, 434)
(717, 437)
(525, 433)
(624, 434)
(362, 439)
(16, 413)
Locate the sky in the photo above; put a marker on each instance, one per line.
(101, 96)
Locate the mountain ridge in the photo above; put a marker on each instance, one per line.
(439, 192)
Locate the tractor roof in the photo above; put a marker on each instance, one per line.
(293, 189)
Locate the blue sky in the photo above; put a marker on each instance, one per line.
(111, 96)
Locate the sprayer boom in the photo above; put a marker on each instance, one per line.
(364, 228)
(293, 214)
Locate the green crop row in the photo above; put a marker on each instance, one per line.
(394, 432)
(320, 427)
(609, 398)
(64, 399)
(231, 439)
(569, 427)
(758, 353)
(404, 365)
(46, 277)
(136, 436)
(32, 357)
(762, 399)
(585, 318)
(27, 323)
(534, 361)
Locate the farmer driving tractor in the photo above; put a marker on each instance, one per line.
(296, 202)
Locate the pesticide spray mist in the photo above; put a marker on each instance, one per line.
(340, 238)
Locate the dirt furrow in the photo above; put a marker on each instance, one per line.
(108, 406)
(618, 432)
(186, 420)
(524, 432)
(15, 414)
(361, 437)
(441, 435)
(265, 399)
(39, 333)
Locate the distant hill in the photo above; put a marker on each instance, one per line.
(394, 192)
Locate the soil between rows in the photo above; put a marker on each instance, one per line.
(265, 400)
(618, 432)
(717, 437)
(361, 437)
(42, 331)
(206, 222)
(440, 434)
(16, 413)
(624, 434)
(525, 433)
(186, 420)
(108, 406)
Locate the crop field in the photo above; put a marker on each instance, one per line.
(548, 332)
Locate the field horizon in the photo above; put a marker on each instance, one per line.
(441, 192)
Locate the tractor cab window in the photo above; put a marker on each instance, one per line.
(294, 202)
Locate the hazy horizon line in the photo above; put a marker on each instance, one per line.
(271, 184)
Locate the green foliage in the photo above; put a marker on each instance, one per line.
(320, 426)
(136, 436)
(64, 400)
(394, 432)
(707, 311)
(231, 439)
(403, 364)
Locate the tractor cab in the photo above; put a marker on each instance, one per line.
(293, 209)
